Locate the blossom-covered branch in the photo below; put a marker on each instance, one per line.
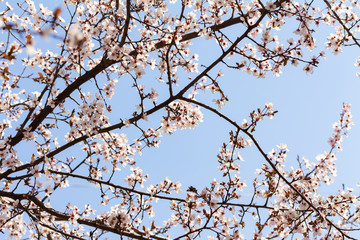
(79, 81)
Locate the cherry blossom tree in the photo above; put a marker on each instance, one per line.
(61, 67)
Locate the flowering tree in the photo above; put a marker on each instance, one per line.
(60, 69)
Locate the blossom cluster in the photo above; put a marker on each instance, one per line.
(181, 115)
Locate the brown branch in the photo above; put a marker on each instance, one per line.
(127, 22)
(82, 138)
(268, 161)
(85, 221)
(229, 50)
(92, 73)
(164, 197)
(60, 232)
(105, 63)
(342, 23)
(117, 186)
